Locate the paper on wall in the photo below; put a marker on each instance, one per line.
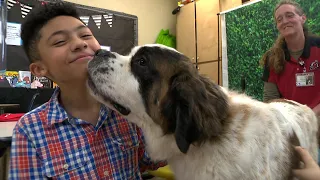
(13, 34)
(108, 48)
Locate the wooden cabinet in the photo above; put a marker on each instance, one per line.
(186, 31)
(209, 69)
(197, 36)
(207, 30)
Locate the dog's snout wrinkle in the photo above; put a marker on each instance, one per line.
(103, 70)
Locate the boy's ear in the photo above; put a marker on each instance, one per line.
(38, 69)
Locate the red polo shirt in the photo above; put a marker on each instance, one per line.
(286, 80)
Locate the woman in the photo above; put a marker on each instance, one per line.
(291, 68)
(291, 65)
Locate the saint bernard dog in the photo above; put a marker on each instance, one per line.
(203, 131)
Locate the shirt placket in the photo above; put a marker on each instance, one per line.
(104, 171)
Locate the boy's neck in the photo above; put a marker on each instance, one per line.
(78, 102)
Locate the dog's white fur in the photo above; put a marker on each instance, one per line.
(261, 154)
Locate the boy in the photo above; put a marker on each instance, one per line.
(72, 136)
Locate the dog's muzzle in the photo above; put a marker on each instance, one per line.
(102, 57)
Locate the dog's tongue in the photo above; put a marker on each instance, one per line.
(121, 109)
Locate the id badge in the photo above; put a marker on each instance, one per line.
(305, 79)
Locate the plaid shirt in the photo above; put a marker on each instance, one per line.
(47, 143)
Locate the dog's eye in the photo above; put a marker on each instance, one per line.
(142, 62)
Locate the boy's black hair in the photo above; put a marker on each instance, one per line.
(37, 18)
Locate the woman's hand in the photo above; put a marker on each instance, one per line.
(311, 170)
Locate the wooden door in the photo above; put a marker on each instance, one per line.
(209, 69)
(207, 29)
(185, 31)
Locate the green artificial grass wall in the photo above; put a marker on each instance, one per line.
(251, 31)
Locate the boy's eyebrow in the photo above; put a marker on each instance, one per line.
(66, 31)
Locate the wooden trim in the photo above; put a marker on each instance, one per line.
(195, 30)
(203, 62)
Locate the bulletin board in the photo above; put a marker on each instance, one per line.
(114, 30)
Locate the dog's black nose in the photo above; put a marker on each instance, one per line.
(104, 53)
(101, 52)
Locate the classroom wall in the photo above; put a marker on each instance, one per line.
(153, 15)
(229, 4)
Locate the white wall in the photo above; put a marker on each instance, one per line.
(153, 15)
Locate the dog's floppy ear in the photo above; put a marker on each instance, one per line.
(194, 108)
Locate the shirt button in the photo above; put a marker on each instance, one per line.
(106, 173)
(65, 166)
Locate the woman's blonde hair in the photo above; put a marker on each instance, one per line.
(275, 56)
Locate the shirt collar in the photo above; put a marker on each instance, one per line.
(306, 49)
(56, 113)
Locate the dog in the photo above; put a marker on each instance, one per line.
(203, 131)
